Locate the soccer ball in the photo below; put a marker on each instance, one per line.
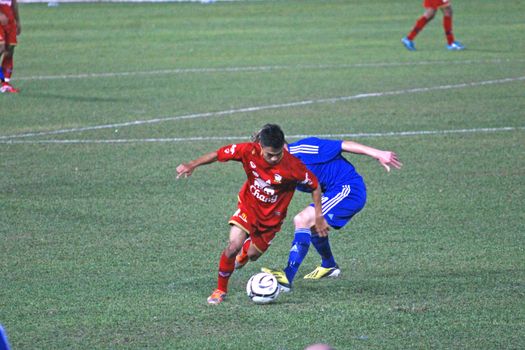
(262, 288)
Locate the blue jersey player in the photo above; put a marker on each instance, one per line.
(344, 195)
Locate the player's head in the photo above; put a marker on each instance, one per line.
(271, 139)
(270, 135)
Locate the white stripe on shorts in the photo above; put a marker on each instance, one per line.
(336, 199)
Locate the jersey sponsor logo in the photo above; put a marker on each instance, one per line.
(260, 183)
(269, 191)
(263, 191)
(230, 150)
(256, 174)
(252, 164)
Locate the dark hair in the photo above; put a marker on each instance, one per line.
(271, 135)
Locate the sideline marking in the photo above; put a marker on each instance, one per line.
(231, 138)
(261, 69)
(267, 107)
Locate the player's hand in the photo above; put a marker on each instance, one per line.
(388, 159)
(321, 226)
(184, 170)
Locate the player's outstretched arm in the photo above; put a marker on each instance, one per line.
(385, 158)
(186, 169)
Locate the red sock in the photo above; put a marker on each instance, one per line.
(246, 246)
(7, 67)
(242, 257)
(447, 25)
(226, 267)
(420, 24)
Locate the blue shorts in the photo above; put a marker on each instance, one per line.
(341, 203)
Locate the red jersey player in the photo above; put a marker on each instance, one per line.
(10, 27)
(272, 175)
(431, 7)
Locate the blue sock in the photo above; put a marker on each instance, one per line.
(300, 245)
(4, 344)
(323, 248)
(2, 78)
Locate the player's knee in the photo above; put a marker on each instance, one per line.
(302, 220)
(297, 220)
(232, 250)
(429, 14)
(7, 51)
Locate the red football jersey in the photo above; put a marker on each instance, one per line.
(268, 189)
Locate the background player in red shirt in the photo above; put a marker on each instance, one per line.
(272, 175)
(10, 27)
(431, 7)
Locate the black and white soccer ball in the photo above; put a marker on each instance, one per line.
(262, 288)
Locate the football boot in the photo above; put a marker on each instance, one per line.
(322, 272)
(409, 44)
(455, 46)
(283, 281)
(8, 88)
(216, 297)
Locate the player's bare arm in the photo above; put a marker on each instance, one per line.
(321, 227)
(186, 169)
(385, 158)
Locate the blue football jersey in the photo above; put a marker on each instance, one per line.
(323, 157)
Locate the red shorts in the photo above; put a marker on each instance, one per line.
(435, 4)
(260, 234)
(8, 34)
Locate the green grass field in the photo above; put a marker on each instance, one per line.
(101, 247)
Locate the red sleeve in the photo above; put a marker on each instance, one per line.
(231, 152)
(306, 177)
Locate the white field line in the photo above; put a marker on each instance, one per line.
(290, 137)
(263, 108)
(262, 69)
